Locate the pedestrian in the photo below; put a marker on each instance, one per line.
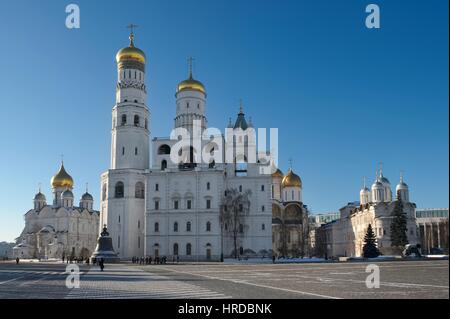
(149, 260)
(101, 264)
(17, 260)
(273, 259)
(178, 259)
(63, 257)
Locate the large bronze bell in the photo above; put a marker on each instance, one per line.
(105, 248)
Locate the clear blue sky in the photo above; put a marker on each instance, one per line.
(343, 97)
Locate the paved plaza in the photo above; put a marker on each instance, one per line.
(398, 279)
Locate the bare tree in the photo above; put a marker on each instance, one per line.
(234, 208)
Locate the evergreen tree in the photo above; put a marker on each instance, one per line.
(399, 237)
(370, 249)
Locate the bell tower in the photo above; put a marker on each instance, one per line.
(130, 116)
(123, 185)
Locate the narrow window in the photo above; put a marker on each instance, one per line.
(156, 205)
(240, 188)
(135, 151)
(136, 120)
(156, 227)
(208, 204)
(263, 208)
(188, 226)
(175, 204)
(208, 226)
(119, 190)
(175, 227)
(188, 249)
(263, 227)
(262, 188)
(189, 204)
(124, 120)
(123, 150)
(118, 242)
(208, 186)
(156, 187)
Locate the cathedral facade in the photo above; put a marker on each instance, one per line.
(59, 228)
(177, 207)
(345, 236)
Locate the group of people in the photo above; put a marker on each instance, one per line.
(157, 260)
(76, 260)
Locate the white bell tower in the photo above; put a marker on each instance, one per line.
(123, 185)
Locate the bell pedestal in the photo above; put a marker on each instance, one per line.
(105, 248)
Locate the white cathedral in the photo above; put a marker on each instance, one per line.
(59, 228)
(345, 236)
(166, 208)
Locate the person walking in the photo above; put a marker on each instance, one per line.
(101, 264)
(17, 260)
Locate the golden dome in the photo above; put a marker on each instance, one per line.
(291, 180)
(278, 174)
(191, 84)
(62, 179)
(130, 53)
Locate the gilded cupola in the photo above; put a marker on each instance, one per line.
(62, 178)
(291, 180)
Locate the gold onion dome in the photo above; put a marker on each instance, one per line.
(62, 178)
(278, 173)
(130, 53)
(291, 180)
(191, 84)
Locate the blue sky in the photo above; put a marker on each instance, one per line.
(343, 97)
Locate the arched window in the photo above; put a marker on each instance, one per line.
(163, 165)
(188, 249)
(104, 192)
(146, 124)
(124, 120)
(240, 188)
(135, 151)
(188, 226)
(140, 190)
(208, 226)
(136, 120)
(175, 249)
(208, 186)
(119, 190)
(164, 149)
(263, 227)
(156, 227)
(175, 226)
